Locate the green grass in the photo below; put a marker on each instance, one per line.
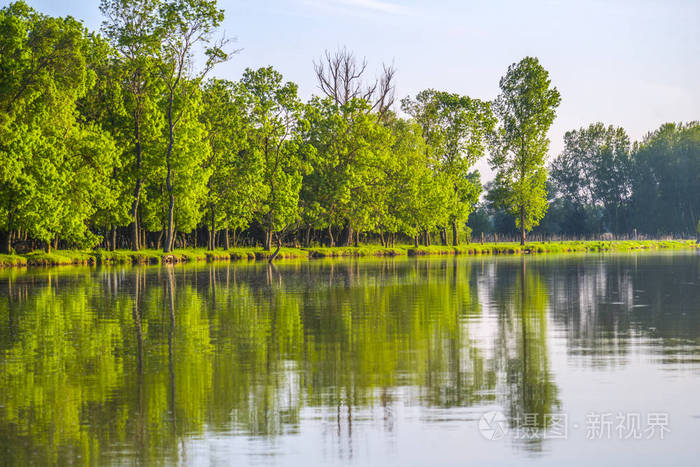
(59, 258)
(12, 260)
(363, 250)
(506, 248)
(68, 257)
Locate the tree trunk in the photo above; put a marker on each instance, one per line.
(415, 241)
(160, 237)
(522, 225)
(308, 235)
(455, 238)
(113, 243)
(168, 179)
(347, 236)
(279, 245)
(331, 242)
(212, 231)
(228, 243)
(170, 239)
(443, 236)
(5, 243)
(135, 231)
(139, 183)
(268, 240)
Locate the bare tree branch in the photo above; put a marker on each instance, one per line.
(340, 77)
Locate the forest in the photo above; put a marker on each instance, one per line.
(123, 138)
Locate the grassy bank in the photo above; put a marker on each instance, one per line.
(552, 247)
(67, 257)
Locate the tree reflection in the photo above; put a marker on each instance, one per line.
(522, 354)
(97, 364)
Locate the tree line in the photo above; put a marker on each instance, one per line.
(603, 183)
(123, 138)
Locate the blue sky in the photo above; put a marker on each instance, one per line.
(635, 64)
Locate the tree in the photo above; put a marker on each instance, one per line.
(104, 106)
(275, 115)
(594, 171)
(235, 185)
(345, 187)
(666, 180)
(52, 165)
(415, 193)
(526, 109)
(456, 129)
(341, 77)
(185, 25)
(132, 27)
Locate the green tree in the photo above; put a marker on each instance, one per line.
(666, 180)
(351, 153)
(594, 171)
(104, 106)
(415, 193)
(526, 109)
(455, 128)
(185, 25)
(275, 115)
(52, 165)
(235, 185)
(132, 28)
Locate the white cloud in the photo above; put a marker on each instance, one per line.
(366, 6)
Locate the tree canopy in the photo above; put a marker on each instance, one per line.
(123, 139)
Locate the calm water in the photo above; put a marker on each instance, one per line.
(572, 359)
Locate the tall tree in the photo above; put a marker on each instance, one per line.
(456, 129)
(186, 25)
(526, 109)
(275, 115)
(341, 77)
(52, 165)
(132, 27)
(593, 171)
(235, 185)
(666, 180)
(415, 193)
(345, 187)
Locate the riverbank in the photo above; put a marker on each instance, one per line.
(98, 257)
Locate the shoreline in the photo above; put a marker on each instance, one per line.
(103, 257)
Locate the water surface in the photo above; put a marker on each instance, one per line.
(553, 359)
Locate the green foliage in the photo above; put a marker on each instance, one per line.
(595, 170)
(666, 180)
(526, 109)
(53, 166)
(275, 123)
(348, 181)
(116, 137)
(235, 189)
(455, 129)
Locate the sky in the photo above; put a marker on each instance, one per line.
(634, 64)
